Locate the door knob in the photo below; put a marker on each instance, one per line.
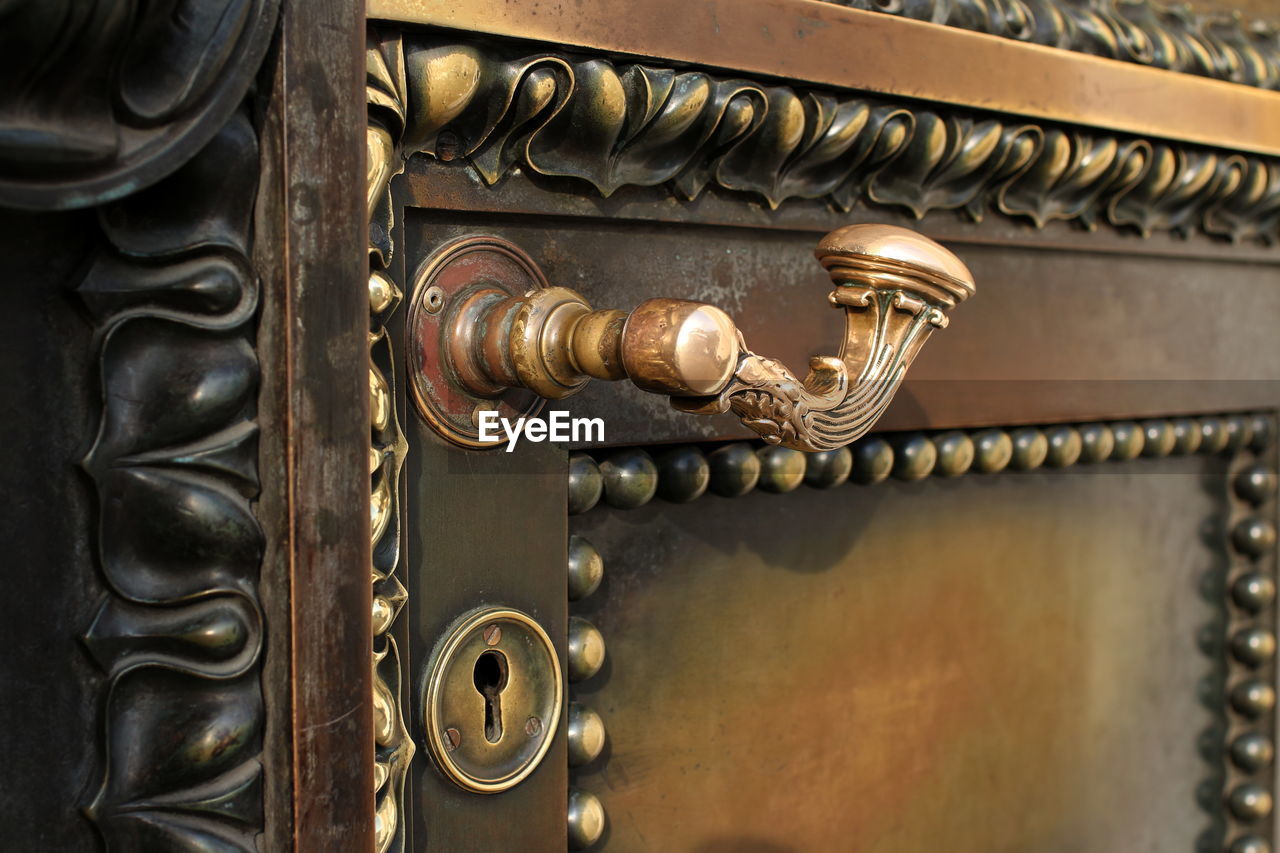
(488, 331)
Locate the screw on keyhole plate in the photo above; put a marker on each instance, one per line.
(493, 681)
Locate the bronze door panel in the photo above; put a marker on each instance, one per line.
(1024, 661)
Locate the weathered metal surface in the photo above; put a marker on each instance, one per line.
(456, 186)
(484, 529)
(950, 664)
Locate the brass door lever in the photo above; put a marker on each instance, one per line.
(894, 285)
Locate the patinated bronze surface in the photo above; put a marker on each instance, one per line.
(1027, 685)
(1033, 609)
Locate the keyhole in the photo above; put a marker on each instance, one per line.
(490, 677)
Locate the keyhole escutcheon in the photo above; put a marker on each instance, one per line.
(490, 676)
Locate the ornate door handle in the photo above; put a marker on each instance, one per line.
(508, 329)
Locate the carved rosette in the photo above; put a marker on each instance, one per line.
(393, 746)
(617, 125)
(173, 296)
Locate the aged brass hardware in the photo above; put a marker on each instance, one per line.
(493, 698)
(586, 819)
(502, 330)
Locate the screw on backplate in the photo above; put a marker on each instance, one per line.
(533, 726)
(452, 737)
(492, 634)
(447, 145)
(433, 299)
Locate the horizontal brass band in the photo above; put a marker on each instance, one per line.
(830, 45)
(1173, 37)
(616, 125)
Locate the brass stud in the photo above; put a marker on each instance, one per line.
(1064, 446)
(1186, 436)
(585, 735)
(1254, 536)
(1128, 438)
(1255, 484)
(1253, 698)
(913, 457)
(781, 469)
(383, 614)
(630, 479)
(1096, 442)
(1250, 844)
(1213, 435)
(872, 461)
(1253, 646)
(1259, 432)
(1252, 752)
(586, 568)
(1250, 802)
(1239, 433)
(586, 649)
(829, 468)
(585, 483)
(586, 819)
(993, 450)
(1030, 448)
(383, 293)
(1253, 591)
(683, 474)
(955, 453)
(1157, 438)
(735, 469)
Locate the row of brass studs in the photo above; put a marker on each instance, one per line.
(1251, 696)
(586, 734)
(628, 479)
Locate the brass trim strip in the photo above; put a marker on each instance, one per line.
(1218, 44)
(815, 42)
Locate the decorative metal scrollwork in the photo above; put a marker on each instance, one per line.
(617, 125)
(393, 747)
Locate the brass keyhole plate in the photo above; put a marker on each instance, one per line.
(449, 288)
(491, 654)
